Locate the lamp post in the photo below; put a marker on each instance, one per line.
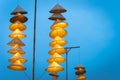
(67, 51)
(34, 41)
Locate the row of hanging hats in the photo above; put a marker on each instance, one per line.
(57, 33)
(17, 27)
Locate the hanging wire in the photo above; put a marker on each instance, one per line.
(46, 78)
(26, 75)
(17, 2)
(79, 56)
(41, 76)
(1, 66)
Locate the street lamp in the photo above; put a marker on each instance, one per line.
(67, 51)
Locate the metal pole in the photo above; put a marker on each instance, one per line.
(67, 51)
(34, 41)
(67, 64)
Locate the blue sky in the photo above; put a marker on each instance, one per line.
(93, 24)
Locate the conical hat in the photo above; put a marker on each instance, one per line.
(58, 40)
(57, 49)
(17, 25)
(17, 34)
(56, 58)
(16, 41)
(18, 9)
(54, 67)
(79, 66)
(54, 74)
(81, 77)
(17, 65)
(58, 32)
(59, 24)
(57, 9)
(57, 16)
(19, 57)
(18, 17)
(14, 50)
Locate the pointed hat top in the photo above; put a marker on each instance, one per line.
(57, 9)
(16, 41)
(79, 66)
(57, 16)
(18, 9)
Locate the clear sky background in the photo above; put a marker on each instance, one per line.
(93, 24)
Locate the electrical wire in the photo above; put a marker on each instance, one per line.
(79, 56)
(46, 78)
(17, 2)
(26, 75)
(41, 76)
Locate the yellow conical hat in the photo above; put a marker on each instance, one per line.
(17, 34)
(54, 67)
(17, 25)
(16, 49)
(81, 77)
(19, 57)
(58, 32)
(16, 41)
(57, 49)
(17, 65)
(56, 58)
(58, 40)
(58, 24)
